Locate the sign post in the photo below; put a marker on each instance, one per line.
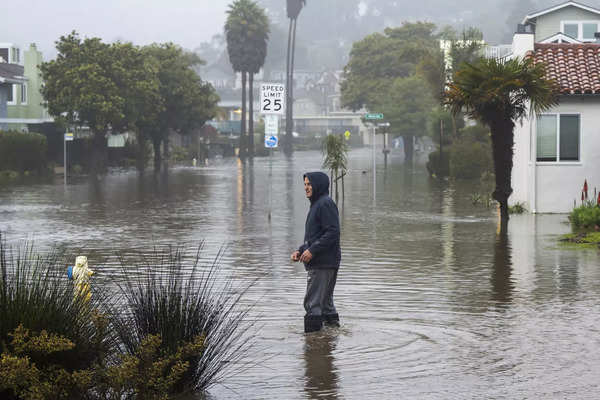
(272, 105)
(370, 117)
(67, 138)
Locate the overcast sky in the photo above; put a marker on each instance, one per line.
(185, 22)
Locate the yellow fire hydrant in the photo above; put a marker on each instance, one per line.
(81, 278)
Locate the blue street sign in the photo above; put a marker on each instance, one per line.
(271, 141)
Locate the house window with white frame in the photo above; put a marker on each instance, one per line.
(24, 93)
(12, 95)
(558, 137)
(580, 30)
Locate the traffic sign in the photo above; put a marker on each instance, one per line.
(271, 141)
(272, 98)
(347, 135)
(374, 116)
(271, 124)
(68, 137)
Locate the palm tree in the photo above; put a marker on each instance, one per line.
(498, 94)
(258, 36)
(293, 11)
(247, 33)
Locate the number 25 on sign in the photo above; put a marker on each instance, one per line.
(272, 98)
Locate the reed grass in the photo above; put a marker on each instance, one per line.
(182, 298)
(35, 294)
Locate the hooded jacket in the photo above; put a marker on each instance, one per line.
(322, 228)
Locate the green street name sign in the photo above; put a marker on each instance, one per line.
(374, 116)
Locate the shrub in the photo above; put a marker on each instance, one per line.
(179, 301)
(35, 293)
(23, 151)
(517, 208)
(585, 217)
(469, 159)
(437, 167)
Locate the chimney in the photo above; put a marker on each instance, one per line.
(522, 42)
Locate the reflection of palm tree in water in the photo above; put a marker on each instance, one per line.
(321, 376)
(502, 285)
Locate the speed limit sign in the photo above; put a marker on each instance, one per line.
(272, 98)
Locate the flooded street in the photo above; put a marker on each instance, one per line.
(433, 303)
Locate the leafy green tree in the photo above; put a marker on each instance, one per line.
(188, 102)
(377, 61)
(498, 94)
(406, 107)
(90, 84)
(247, 34)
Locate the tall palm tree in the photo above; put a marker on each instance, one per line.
(498, 94)
(247, 33)
(293, 11)
(258, 36)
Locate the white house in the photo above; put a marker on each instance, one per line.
(556, 151)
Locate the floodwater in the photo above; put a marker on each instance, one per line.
(434, 303)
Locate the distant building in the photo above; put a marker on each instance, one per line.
(11, 79)
(24, 104)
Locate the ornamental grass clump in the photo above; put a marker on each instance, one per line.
(184, 301)
(35, 294)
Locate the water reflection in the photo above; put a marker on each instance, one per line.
(321, 377)
(423, 276)
(502, 284)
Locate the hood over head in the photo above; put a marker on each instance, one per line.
(320, 184)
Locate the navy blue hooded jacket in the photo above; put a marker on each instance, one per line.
(322, 229)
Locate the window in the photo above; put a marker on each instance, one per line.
(558, 137)
(580, 30)
(588, 30)
(11, 95)
(16, 56)
(572, 30)
(24, 93)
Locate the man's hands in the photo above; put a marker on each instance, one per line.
(304, 257)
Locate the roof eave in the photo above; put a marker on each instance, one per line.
(558, 7)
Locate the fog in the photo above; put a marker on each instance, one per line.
(191, 22)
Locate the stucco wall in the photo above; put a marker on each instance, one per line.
(558, 184)
(549, 24)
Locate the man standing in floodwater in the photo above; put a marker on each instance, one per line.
(320, 253)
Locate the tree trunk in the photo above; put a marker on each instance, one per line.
(157, 154)
(141, 151)
(99, 143)
(166, 150)
(251, 115)
(243, 122)
(408, 147)
(502, 149)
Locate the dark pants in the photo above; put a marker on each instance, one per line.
(320, 284)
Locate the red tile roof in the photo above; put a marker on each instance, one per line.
(575, 67)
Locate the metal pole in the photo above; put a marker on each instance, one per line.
(270, 182)
(374, 169)
(65, 158)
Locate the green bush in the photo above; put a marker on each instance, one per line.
(585, 217)
(23, 152)
(469, 159)
(437, 167)
(177, 330)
